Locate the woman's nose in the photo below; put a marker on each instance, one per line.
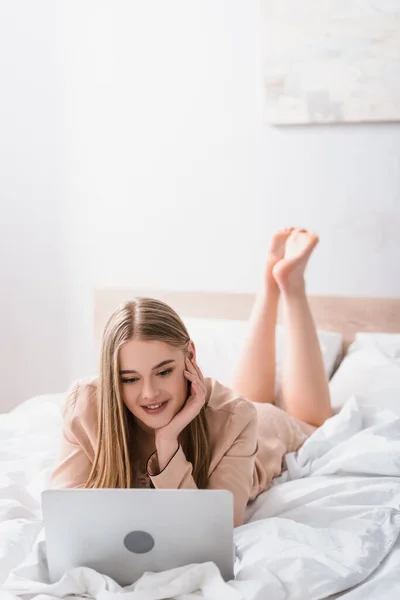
(149, 390)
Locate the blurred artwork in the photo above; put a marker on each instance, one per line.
(331, 61)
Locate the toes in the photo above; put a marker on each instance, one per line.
(306, 233)
(279, 238)
(314, 239)
(292, 243)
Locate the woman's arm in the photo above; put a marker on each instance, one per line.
(74, 461)
(73, 466)
(234, 472)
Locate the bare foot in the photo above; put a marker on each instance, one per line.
(276, 253)
(289, 270)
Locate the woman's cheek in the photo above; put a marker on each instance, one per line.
(130, 398)
(180, 388)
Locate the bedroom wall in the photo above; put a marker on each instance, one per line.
(136, 152)
(192, 181)
(33, 182)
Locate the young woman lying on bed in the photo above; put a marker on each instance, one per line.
(152, 420)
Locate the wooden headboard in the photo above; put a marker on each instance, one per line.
(332, 313)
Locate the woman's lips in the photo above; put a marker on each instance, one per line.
(155, 411)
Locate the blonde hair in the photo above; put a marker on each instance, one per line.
(144, 319)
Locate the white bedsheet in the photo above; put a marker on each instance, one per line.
(331, 522)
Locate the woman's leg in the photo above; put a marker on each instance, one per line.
(305, 387)
(255, 371)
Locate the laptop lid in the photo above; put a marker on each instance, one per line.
(124, 532)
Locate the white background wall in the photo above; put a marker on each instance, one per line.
(134, 151)
(33, 180)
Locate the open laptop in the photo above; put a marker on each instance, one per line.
(124, 532)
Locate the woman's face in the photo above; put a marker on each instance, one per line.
(153, 385)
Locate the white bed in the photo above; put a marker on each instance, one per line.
(329, 526)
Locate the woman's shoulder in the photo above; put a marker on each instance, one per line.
(228, 403)
(229, 417)
(79, 409)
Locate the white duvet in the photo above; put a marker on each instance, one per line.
(329, 526)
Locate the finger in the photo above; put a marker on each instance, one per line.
(189, 364)
(198, 397)
(195, 368)
(191, 409)
(199, 390)
(194, 376)
(194, 389)
(202, 387)
(198, 371)
(191, 368)
(194, 380)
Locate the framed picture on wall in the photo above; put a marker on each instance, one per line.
(331, 61)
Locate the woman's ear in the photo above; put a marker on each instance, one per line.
(191, 350)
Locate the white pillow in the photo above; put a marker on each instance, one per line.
(220, 341)
(370, 371)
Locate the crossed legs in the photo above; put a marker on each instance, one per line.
(305, 390)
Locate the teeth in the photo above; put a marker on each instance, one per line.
(154, 406)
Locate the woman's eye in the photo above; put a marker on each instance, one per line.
(135, 379)
(165, 373)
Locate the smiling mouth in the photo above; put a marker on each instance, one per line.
(155, 408)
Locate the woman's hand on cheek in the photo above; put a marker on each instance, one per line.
(192, 407)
